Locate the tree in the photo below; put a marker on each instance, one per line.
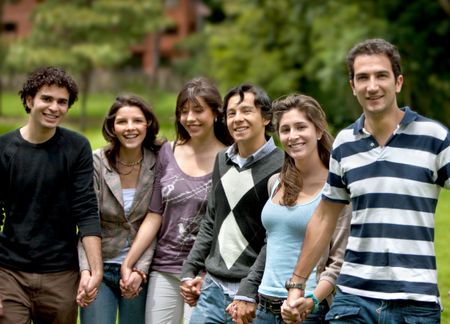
(300, 46)
(82, 35)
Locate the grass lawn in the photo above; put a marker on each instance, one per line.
(164, 106)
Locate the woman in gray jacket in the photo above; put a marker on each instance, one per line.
(123, 180)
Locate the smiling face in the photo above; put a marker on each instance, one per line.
(375, 85)
(130, 127)
(48, 107)
(246, 123)
(298, 135)
(197, 119)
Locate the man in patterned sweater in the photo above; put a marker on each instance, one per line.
(231, 235)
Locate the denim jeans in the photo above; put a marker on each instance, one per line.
(347, 308)
(211, 305)
(109, 300)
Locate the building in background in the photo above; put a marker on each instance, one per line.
(187, 16)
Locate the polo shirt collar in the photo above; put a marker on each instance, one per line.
(409, 117)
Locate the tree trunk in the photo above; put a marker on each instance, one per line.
(86, 77)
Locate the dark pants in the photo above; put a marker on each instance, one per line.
(48, 298)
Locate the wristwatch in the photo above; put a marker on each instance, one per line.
(289, 284)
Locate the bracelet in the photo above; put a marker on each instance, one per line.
(141, 273)
(300, 276)
(315, 301)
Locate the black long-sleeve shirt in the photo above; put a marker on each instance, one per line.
(46, 193)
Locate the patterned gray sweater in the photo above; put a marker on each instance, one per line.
(231, 235)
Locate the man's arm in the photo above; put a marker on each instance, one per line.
(243, 307)
(318, 235)
(91, 280)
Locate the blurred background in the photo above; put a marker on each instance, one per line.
(151, 47)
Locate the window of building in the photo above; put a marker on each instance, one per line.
(9, 27)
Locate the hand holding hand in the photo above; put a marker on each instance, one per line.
(242, 312)
(289, 311)
(87, 289)
(130, 287)
(190, 290)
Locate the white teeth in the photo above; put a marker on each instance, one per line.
(130, 136)
(240, 129)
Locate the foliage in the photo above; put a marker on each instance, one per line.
(300, 46)
(82, 35)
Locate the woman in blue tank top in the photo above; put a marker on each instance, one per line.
(294, 194)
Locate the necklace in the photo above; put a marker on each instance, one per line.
(132, 163)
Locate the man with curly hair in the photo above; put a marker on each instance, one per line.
(47, 201)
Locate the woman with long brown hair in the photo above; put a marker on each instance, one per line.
(184, 178)
(294, 194)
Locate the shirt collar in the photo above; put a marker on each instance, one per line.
(264, 150)
(409, 117)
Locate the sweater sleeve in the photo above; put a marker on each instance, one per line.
(84, 201)
(249, 285)
(195, 261)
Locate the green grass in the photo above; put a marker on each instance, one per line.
(164, 106)
(98, 104)
(442, 244)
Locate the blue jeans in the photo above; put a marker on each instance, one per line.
(104, 309)
(264, 316)
(211, 305)
(347, 308)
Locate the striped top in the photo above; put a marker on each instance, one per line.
(394, 191)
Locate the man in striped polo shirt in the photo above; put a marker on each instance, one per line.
(390, 164)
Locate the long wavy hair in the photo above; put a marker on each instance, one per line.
(151, 140)
(290, 176)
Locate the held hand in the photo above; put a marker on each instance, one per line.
(289, 311)
(190, 290)
(242, 312)
(131, 287)
(87, 291)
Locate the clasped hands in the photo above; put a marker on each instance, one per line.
(88, 287)
(130, 283)
(190, 290)
(296, 308)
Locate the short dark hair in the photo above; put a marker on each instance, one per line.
(150, 142)
(371, 47)
(262, 101)
(204, 88)
(49, 75)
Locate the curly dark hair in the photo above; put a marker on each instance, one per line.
(291, 177)
(204, 88)
(47, 76)
(150, 142)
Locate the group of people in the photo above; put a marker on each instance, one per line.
(220, 225)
